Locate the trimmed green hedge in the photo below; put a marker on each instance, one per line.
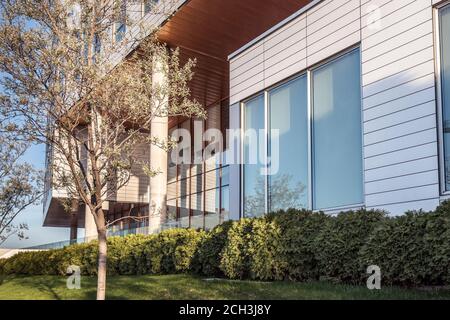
(338, 244)
(411, 250)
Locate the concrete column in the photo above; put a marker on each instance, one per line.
(90, 229)
(74, 221)
(158, 157)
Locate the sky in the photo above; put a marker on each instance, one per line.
(33, 215)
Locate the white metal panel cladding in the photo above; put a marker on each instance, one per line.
(398, 87)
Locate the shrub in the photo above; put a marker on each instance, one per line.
(2, 263)
(209, 252)
(30, 263)
(235, 260)
(171, 251)
(396, 246)
(338, 244)
(252, 250)
(273, 247)
(125, 255)
(264, 249)
(297, 253)
(84, 255)
(412, 249)
(437, 239)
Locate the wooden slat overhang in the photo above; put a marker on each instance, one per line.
(210, 30)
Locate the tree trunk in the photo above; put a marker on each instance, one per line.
(102, 258)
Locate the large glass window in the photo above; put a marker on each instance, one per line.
(197, 192)
(254, 181)
(337, 137)
(444, 29)
(314, 149)
(288, 115)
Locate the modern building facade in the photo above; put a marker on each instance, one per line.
(350, 100)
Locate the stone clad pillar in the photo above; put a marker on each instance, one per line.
(158, 157)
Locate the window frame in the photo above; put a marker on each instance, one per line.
(439, 100)
(118, 34)
(218, 169)
(308, 72)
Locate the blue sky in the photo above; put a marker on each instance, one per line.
(33, 215)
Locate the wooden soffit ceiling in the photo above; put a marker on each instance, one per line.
(210, 30)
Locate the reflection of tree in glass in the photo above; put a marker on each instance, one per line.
(283, 194)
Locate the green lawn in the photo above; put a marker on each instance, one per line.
(191, 287)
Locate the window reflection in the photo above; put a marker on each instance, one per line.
(288, 113)
(254, 182)
(337, 136)
(201, 190)
(321, 154)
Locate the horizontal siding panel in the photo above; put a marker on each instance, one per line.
(249, 54)
(403, 182)
(416, 72)
(421, 55)
(367, 7)
(318, 13)
(405, 195)
(316, 44)
(238, 94)
(410, 167)
(296, 51)
(291, 33)
(402, 129)
(334, 48)
(253, 63)
(408, 141)
(399, 92)
(296, 58)
(392, 55)
(392, 14)
(403, 116)
(376, 37)
(403, 103)
(401, 208)
(285, 72)
(400, 39)
(401, 156)
(249, 77)
(337, 19)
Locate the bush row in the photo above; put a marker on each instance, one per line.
(411, 250)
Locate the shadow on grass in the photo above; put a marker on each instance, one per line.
(182, 287)
(48, 287)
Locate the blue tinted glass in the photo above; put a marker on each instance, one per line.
(120, 31)
(445, 80)
(337, 141)
(288, 113)
(254, 181)
(225, 209)
(225, 176)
